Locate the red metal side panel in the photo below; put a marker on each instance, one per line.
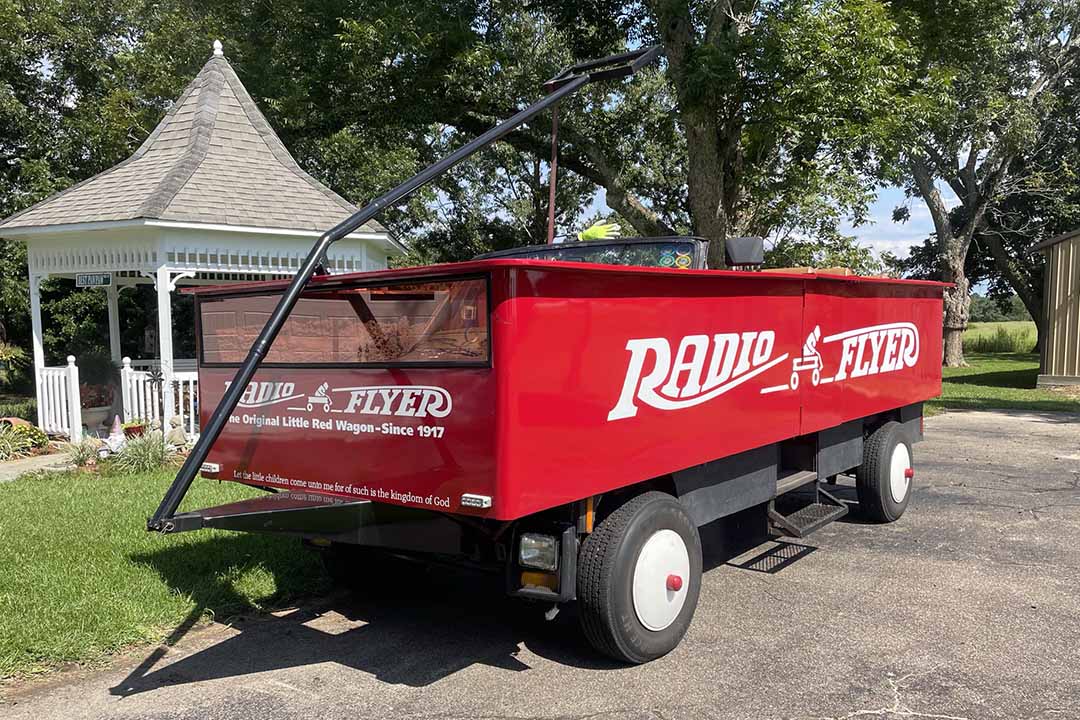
(609, 379)
(601, 377)
(879, 348)
(425, 437)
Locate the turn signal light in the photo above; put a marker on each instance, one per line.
(539, 579)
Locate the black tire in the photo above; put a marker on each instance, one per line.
(873, 478)
(605, 578)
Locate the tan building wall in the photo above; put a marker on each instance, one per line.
(1061, 346)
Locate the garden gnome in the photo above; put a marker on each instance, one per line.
(116, 440)
(176, 437)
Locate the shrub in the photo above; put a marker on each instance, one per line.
(82, 453)
(144, 453)
(25, 409)
(34, 436)
(12, 359)
(12, 444)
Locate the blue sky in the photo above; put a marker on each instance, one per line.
(882, 234)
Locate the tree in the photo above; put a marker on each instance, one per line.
(1043, 202)
(985, 80)
(66, 112)
(777, 101)
(835, 251)
(754, 124)
(758, 121)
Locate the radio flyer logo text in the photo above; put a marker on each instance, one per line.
(704, 367)
(418, 401)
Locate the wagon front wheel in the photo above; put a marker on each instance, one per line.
(639, 576)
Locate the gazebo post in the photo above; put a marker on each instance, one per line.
(163, 285)
(38, 342)
(112, 293)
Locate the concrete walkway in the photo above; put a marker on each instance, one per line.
(14, 468)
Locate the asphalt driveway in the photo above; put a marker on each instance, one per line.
(969, 607)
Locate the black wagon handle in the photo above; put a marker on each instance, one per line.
(565, 83)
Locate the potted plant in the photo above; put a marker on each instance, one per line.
(99, 378)
(134, 428)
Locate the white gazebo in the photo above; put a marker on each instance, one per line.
(211, 197)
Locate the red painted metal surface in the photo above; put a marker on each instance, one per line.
(601, 377)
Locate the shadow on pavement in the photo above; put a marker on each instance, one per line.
(773, 559)
(415, 639)
(459, 619)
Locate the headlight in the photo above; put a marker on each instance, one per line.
(539, 551)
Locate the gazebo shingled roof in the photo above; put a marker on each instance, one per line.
(212, 159)
(211, 197)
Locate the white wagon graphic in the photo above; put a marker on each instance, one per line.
(810, 360)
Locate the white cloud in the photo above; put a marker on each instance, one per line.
(882, 234)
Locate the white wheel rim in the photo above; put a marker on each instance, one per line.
(899, 482)
(664, 555)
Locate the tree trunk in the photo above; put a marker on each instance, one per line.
(705, 169)
(957, 311)
(957, 298)
(1022, 285)
(1033, 305)
(953, 248)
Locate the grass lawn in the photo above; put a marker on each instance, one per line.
(1013, 336)
(984, 329)
(80, 577)
(1000, 380)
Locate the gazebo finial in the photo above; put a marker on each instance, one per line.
(217, 49)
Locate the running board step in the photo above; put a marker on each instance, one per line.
(793, 480)
(812, 517)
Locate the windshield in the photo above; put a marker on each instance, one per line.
(440, 322)
(663, 252)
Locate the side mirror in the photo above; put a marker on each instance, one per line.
(745, 250)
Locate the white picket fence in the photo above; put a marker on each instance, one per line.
(59, 408)
(143, 396)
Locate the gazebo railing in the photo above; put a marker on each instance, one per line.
(59, 407)
(186, 400)
(144, 400)
(184, 364)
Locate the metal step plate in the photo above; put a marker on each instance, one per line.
(810, 518)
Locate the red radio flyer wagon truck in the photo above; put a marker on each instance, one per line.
(569, 425)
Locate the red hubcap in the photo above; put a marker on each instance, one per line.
(909, 473)
(674, 583)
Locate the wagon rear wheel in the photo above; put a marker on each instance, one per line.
(884, 479)
(639, 575)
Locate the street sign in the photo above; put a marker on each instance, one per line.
(93, 279)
